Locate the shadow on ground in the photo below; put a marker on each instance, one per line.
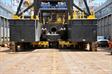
(45, 50)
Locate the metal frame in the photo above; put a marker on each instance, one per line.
(69, 3)
(19, 7)
(80, 9)
(19, 14)
(87, 7)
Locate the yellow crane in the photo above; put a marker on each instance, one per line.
(53, 23)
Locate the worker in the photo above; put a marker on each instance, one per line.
(12, 47)
(110, 45)
(94, 46)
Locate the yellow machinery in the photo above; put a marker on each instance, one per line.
(59, 23)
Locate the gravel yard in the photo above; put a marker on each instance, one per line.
(53, 61)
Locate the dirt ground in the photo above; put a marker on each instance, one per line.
(54, 61)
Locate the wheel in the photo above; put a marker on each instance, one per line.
(13, 47)
(93, 46)
(111, 53)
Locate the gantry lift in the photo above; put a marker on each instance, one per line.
(54, 23)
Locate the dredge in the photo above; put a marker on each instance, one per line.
(53, 24)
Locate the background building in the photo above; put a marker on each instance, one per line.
(5, 13)
(104, 15)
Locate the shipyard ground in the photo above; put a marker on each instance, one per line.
(54, 61)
